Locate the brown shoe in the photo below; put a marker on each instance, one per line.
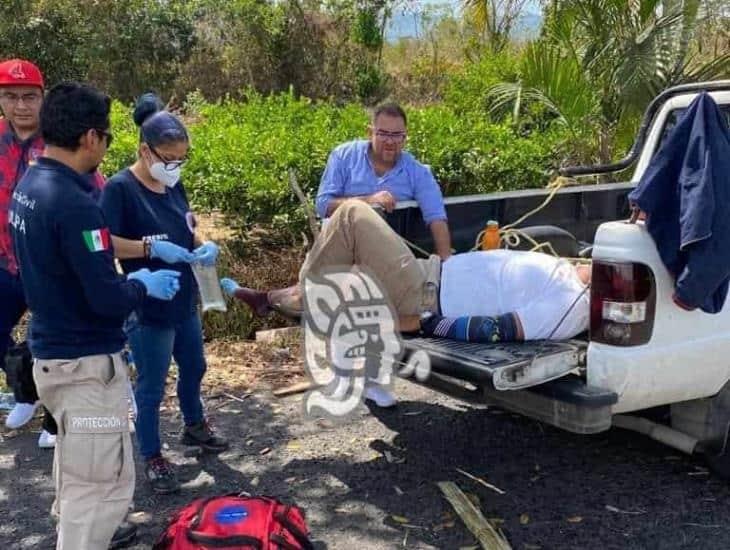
(202, 435)
(255, 299)
(287, 301)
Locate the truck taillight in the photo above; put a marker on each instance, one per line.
(623, 299)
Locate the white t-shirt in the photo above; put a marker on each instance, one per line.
(538, 287)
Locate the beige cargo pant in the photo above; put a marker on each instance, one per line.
(357, 235)
(93, 466)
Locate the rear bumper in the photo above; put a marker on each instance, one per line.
(539, 376)
(566, 403)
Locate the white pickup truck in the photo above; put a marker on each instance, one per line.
(641, 352)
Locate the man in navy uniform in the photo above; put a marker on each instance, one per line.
(79, 303)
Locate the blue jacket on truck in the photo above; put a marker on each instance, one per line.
(77, 299)
(685, 193)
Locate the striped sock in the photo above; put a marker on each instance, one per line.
(477, 328)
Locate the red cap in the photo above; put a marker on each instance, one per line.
(18, 72)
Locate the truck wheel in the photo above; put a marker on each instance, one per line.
(708, 419)
(718, 456)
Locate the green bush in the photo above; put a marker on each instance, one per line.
(123, 150)
(469, 154)
(466, 90)
(242, 152)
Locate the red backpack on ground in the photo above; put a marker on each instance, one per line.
(236, 523)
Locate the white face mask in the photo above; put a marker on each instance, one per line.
(168, 177)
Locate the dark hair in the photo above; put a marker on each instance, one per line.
(146, 105)
(390, 109)
(157, 126)
(70, 109)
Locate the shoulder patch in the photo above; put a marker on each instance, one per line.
(96, 240)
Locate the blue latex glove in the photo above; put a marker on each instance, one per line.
(229, 286)
(162, 284)
(206, 253)
(170, 253)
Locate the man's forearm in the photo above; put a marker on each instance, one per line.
(441, 238)
(125, 249)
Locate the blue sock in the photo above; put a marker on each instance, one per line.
(477, 328)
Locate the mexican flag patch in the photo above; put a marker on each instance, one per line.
(96, 239)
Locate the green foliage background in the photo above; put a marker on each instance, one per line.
(242, 151)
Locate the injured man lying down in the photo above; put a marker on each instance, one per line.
(485, 296)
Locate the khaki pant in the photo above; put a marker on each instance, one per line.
(357, 235)
(93, 465)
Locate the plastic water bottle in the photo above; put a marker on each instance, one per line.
(491, 238)
(211, 296)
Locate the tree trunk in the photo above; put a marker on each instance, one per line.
(605, 143)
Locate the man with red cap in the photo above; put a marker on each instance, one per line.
(21, 96)
(21, 144)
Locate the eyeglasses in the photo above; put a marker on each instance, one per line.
(395, 137)
(169, 165)
(106, 134)
(29, 98)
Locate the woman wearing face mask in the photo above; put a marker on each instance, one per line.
(152, 227)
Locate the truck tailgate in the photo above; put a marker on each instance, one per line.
(507, 366)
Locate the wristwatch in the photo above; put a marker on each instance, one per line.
(146, 246)
(425, 322)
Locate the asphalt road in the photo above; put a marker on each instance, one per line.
(613, 490)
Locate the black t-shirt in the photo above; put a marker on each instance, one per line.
(133, 211)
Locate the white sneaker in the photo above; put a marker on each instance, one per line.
(21, 415)
(381, 396)
(46, 440)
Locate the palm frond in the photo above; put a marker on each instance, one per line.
(717, 68)
(556, 83)
(478, 11)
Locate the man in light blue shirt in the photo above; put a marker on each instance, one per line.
(379, 172)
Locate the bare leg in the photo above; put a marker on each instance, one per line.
(409, 323)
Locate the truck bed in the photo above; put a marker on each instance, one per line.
(505, 366)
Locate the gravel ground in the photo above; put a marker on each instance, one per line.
(361, 481)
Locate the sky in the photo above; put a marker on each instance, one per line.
(407, 24)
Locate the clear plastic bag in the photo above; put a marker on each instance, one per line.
(211, 296)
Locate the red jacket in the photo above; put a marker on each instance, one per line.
(15, 157)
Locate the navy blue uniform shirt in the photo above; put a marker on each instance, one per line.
(78, 300)
(133, 211)
(685, 193)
